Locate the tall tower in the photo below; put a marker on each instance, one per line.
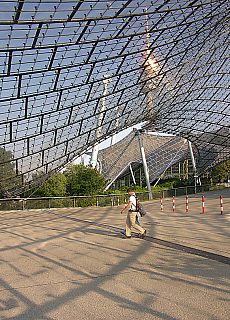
(102, 107)
(151, 70)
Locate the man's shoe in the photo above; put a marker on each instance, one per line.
(127, 237)
(142, 236)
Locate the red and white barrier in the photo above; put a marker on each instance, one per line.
(173, 204)
(189, 202)
(221, 205)
(161, 204)
(186, 204)
(203, 206)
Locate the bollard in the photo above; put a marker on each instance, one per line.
(173, 204)
(118, 201)
(186, 204)
(161, 204)
(112, 204)
(97, 203)
(202, 204)
(221, 205)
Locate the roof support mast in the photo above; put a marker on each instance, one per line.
(193, 163)
(146, 171)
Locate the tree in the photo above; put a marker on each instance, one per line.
(82, 181)
(7, 172)
(55, 186)
(221, 171)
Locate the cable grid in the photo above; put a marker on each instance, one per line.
(167, 62)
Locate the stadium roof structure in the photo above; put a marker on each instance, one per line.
(167, 62)
(161, 152)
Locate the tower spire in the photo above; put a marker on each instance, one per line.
(147, 35)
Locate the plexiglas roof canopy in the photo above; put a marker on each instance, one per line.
(75, 72)
(161, 152)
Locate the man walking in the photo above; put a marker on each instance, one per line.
(131, 216)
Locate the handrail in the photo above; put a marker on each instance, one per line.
(92, 200)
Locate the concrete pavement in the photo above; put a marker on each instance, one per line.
(73, 264)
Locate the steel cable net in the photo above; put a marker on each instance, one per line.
(161, 153)
(166, 63)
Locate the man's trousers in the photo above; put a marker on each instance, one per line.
(131, 222)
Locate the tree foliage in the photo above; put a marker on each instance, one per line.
(83, 180)
(55, 186)
(7, 171)
(221, 171)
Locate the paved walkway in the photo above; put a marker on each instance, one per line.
(73, 264)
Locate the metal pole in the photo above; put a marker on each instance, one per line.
(187, 169)
(193, 162)
(145, 165)
(140, 178)
(131, 170)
